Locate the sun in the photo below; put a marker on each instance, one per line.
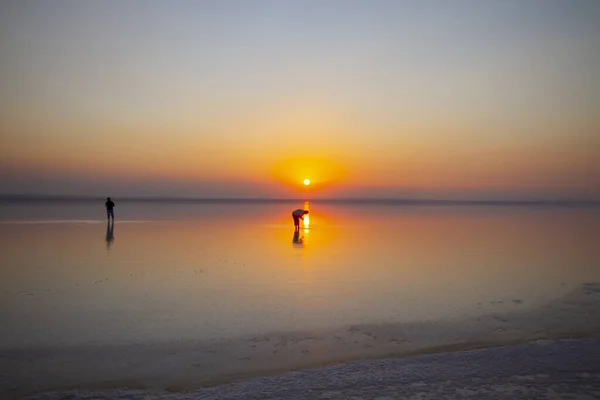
(306, 182)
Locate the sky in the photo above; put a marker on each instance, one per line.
(448, 99)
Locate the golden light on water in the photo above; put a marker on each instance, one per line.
(306, 221)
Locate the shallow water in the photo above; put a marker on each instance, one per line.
(168, 271)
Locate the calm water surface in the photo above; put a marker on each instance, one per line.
(168, 271)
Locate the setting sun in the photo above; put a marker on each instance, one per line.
(307, 182)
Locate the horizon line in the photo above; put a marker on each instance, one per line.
(9, 197)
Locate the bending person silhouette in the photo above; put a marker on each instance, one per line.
(298, 215)
(110, 213)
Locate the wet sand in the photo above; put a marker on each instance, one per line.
(564, 369)
(183, 366)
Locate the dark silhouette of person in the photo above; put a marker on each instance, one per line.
(110, 213)
(110, 234)
(298, 215)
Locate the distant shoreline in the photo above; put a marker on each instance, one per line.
(40, 198)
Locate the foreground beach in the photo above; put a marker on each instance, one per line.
(566, 369)
(179, 367)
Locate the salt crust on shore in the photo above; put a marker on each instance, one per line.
(565, 369)
(187, 366)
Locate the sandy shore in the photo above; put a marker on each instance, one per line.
(187, 366)
(565, 369)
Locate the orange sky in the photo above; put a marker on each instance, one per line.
(367, 100)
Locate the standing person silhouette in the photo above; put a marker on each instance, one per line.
(298, 215)
(110, 205)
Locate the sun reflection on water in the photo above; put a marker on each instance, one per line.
(306, 222)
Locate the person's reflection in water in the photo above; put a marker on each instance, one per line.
(297, 241)
(110, 234)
